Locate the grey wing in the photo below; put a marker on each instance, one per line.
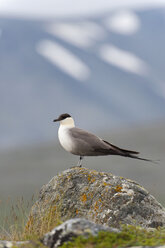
(87, 144)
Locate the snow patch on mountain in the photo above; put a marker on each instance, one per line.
(125, 22)
(82, 35)
(123, 59)
(63, 59)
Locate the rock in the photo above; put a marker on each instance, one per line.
(97, 196)
(6, 244)
(10, 244)
(73, 228)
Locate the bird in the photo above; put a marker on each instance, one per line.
(82, 143)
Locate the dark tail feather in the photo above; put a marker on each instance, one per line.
(114, 150)
(144, 159)
(120, 149)
(128, 151)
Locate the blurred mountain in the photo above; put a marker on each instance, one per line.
(103, 69)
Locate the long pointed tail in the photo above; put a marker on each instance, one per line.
(128, 153)
(131, 154)
(144, 159)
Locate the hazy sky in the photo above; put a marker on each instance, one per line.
(60, 8)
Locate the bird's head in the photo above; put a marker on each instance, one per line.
(65, 119)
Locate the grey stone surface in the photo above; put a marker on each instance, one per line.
(73, 228)
(100, 197)
(9, 244)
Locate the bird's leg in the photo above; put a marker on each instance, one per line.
(80, 161)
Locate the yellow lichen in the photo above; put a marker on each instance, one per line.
(84, 198)
(105, 184)
(96, 207)
(89, 178)
(93, 180)
(118, 188)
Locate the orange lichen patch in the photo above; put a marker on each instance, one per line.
(118, 188)
(96, 207)
(89, 178)
(76, 211)
(93, 180)
(84, 198)
(106, 184)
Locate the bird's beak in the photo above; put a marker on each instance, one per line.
(55, 120)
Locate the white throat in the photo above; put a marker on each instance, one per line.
(63, 133)
(68, 122)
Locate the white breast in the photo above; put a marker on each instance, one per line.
(65, 138)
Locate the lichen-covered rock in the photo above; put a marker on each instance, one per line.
(97, 196)
(71, 229)
(10, 244)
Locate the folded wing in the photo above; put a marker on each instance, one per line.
(88, 144)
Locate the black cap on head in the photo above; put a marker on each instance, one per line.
(62, 117)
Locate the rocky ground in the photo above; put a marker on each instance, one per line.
(93, 208)
(100, 197)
